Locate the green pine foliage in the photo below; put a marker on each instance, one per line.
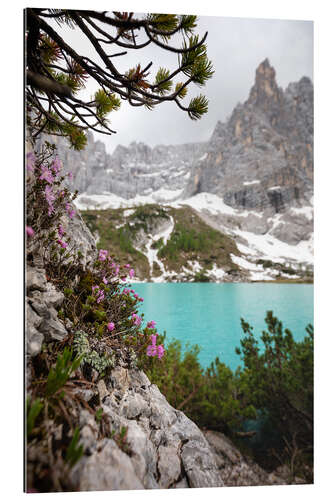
(181, 90)
(105, 103)
(195, 62)
(278, 379)
(163, 85)
(198, 106)
(56, 72)
(188, 23)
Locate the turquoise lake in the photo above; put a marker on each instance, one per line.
(208, 314)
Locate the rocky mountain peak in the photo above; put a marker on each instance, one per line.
(261, 158)
(265, 91)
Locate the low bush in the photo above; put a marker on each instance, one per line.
(275, 386)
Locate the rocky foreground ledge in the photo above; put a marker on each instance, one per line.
(165, 449)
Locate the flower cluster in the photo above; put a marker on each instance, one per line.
(136, 319)
(47, 200)
(102, 255)
(29, 231)
(98, 293)
(70, 211)
(155, 350)
(99, 302)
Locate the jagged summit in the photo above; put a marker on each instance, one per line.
(261, 158)
(265, 93)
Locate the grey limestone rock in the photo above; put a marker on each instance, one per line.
(167, 450)
(34, 341)
(53, 328)
(42, 320)
(262, 157)
(35, 279)
(108, 468)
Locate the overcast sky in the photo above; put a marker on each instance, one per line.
(236, 47)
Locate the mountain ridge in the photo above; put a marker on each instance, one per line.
(253, 179)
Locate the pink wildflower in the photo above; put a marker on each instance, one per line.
(56, 165)
(46, 175)
(136, 319)
(70, 175)
(151, 324)
(155, 350)
(70, 210)
(160, 351)
(126, 291)
(29, 231)
(49, 194)
(127, 266)
(105, 281)
(98, 293)
(50, 197)
(63, 244)
(61, 230)
(31, 162)
(131, 273)
(102, 255)
(110, 326)
(153, 339)
(152, 349)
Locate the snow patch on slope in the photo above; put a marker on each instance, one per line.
(110, 200)
(151, 253)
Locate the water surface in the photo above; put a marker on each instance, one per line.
(208, 314)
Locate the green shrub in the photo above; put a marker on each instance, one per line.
(275, 386)
(183, 239)
(278, 380)
(212, 398)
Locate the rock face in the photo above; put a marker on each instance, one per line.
(262, 157)
(129, 171)
(165, 448)
(161, 447)
(42, 299)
